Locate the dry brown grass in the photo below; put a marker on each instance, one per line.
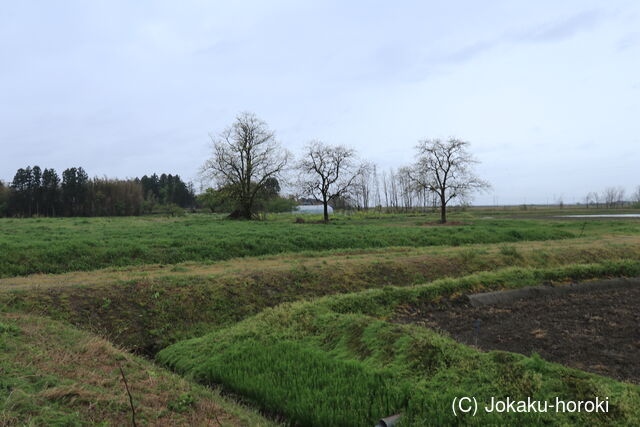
(91, 383)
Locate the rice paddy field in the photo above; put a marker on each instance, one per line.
(200, 320)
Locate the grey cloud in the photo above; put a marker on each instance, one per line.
(471, 51)
(547, 33)
(564, 28)
(629, 41)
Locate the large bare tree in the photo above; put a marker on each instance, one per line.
(245, 156)
(446, 168)
(328, 172)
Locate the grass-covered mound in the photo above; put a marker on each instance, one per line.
(52, 374)
(57, 245)
(337, 361)
(157, 307)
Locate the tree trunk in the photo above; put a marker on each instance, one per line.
(443, 209)
(326, 211)
(246, 212)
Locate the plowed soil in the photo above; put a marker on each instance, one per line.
(596, 331)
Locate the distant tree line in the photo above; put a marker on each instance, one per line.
(248, 169)
(166, 190)
(38, 192)
(247, 157)
(611, 197)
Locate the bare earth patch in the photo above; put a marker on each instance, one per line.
(596, 331)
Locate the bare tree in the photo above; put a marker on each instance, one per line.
(610, 194)
(445, 167)
(636, 195)
(620, 198)
(376, 186)
(613, 196)
(393, 189)
(406, 187)
(328, 172)
(385, 189)
(363, 186)
(590, 199)
(245, 156)
(597, 198)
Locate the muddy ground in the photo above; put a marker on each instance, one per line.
(596, 331)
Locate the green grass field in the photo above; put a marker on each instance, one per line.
(58, 245)
(290, 319)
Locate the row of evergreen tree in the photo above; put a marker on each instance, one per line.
(167, 189)
(35, 191)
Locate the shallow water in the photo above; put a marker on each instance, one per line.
(601, 216)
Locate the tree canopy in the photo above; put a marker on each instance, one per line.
(246, 156)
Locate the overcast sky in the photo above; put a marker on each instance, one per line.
(547, 92)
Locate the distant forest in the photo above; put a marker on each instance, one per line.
(38, 192)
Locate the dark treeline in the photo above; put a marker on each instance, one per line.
(166, 190)
(38, 192)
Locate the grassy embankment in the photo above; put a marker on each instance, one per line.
(58, 245)
(337, 361)
(149, 308)
(53, 374)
